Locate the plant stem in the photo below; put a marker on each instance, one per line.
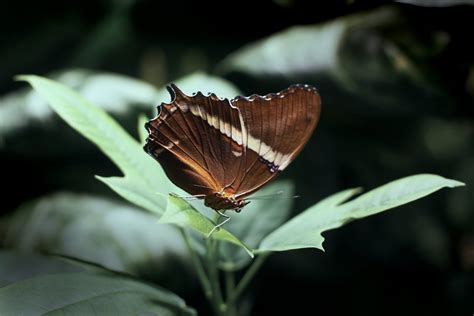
(230, 287)
(203, 279)
(248, 276)
(229, 283)
(211, 249)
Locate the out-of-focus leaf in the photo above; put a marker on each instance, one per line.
(304, 230)
(203, 82)
(269, 208)
(437, 3)
(16, 266)
(356, 62)
(446, 139)
(114, 33)
(73, 291)
(115, 235)
(117, 94)
(142, 176)
(295, 51)
(182, 214)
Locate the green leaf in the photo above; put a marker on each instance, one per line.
(113, 234)
(182, 214)
(270, 207)
(117, 94)
(142, 176)
(71, 290)
(304, 230)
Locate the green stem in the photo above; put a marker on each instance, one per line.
(229, 283)
(229, 291)
(211, 249)
(248, 276)
(203, 279)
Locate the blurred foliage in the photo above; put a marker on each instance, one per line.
(397, 84)
(363, 57)
(437, 3)
(115, 235)
(55, 286)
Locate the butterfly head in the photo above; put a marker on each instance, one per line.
(224, 201)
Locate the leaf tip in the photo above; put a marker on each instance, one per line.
(455, 183)
(22, 77)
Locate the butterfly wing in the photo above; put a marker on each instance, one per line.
(199, 141)
(278, 126)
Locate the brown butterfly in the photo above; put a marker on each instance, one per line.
(223, 150)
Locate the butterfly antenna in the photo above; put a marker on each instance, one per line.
(201, 186)
(190, 197)
(226, 219)
(272, 196)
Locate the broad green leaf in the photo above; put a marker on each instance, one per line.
(71, 290)
(142, 176)
(304, 230)
(268, 209)
(113, 234)
(182, 214)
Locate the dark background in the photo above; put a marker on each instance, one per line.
(390, 123)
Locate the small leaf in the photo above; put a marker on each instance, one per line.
(304, 230)
(268, 209)
(182, 214)
(143, 176)
(82, 291)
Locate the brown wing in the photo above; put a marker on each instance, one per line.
(278, 126)
(199, 141)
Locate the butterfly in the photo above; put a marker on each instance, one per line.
(223, 150)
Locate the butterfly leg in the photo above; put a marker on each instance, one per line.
(226, 219)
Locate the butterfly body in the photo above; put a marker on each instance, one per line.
(224, 150)
(224, 201)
